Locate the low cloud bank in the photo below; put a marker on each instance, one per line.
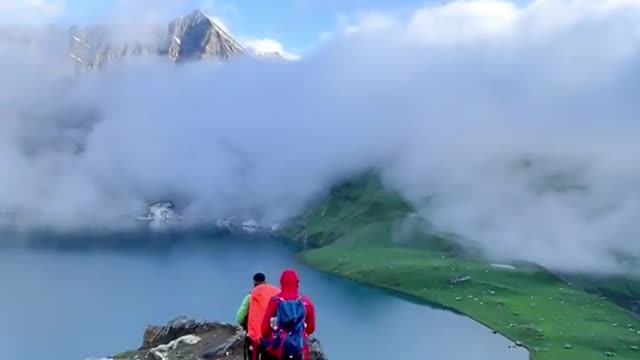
(521, 122)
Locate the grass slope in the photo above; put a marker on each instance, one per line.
(350, 234)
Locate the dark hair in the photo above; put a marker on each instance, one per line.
(259, 277)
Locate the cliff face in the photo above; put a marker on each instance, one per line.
(96, 47)
(188, 339)
(194, 36)
(191, 37)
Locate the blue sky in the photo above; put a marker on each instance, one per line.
(296, 23)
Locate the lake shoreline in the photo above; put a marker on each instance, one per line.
(112, 295)
(351, 234)
(535, 352)
(407, 296)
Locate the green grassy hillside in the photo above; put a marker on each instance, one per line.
(360, 232)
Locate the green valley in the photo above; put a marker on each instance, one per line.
(353, 233)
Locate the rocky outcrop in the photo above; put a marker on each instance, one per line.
(196, 36)
(96, 47)
(187, 339)
(192, 37)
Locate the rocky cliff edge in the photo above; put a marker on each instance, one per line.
(187, 339)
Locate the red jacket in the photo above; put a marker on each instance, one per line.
(289, 290)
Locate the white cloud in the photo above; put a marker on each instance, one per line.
(218, 12)
(520, 123)
(368, 22)
(270, 46)
(489, 20)
(462, 20)
(26, 12)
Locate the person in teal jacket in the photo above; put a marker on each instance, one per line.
(241, 315)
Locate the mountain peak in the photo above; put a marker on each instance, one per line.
(192, 36)
(198, 35)
(198, 15)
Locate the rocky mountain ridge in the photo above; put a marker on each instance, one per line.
(193, 37)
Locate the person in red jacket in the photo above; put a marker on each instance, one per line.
(289, 283)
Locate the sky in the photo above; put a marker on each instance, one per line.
(299, 25)
(514, 126)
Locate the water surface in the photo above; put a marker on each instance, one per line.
(70, 305)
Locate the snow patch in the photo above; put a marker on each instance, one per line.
(266, 47)
(504, 266)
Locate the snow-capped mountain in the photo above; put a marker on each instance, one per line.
(193, 37)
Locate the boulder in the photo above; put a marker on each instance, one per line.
(187, 339)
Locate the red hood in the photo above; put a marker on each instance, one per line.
(289, 283)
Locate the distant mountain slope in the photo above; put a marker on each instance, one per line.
(365, 232)
(191, 37)
(194, 36)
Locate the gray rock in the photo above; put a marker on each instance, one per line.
(95, 47)
(191, 37)
(568, 346)
(187, 339)
(194, 36)
(229, 346)
(174, 329)
(315, 349)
